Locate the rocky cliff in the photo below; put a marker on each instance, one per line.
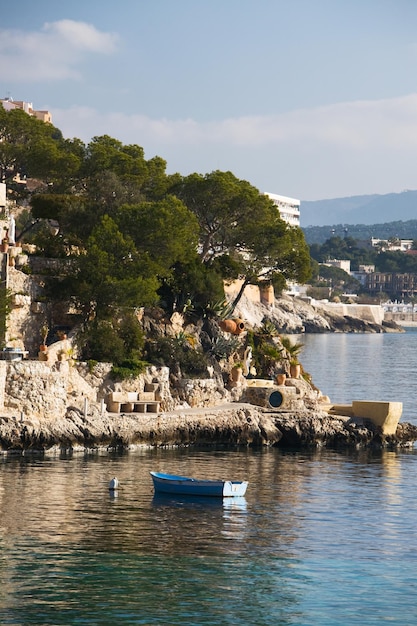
(61, 404)
(294, 315)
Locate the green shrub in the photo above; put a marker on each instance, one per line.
(132, 335)
(5, 309)
(179, 356)
(115, 341)
(101, 342)
(194, 364)
(267, 353)
(129, 368)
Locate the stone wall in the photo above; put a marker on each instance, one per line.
(44, 390)
(373, 313)
(282, 397)
(48, 389)
(35, 389)
(201, 392)
(28, 313)
(401, 318)
(3, 373)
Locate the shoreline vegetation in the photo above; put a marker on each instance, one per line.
(46, 401)
(206, 412)
(57, 405)
(116, 276)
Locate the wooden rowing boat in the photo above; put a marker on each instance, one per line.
(182, 485)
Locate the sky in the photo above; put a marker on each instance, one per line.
(310, 99)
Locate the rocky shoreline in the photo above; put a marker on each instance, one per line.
(233, 424)
(52, 406)
(293, 316)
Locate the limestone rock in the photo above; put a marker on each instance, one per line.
(230, 424)
(319, 429)
(293, 315)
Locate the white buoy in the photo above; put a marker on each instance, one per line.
(114, 484)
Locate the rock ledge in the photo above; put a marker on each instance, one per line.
(231, 424)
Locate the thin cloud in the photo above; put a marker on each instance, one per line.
(52, 54)
(352, 125)
(330, 151)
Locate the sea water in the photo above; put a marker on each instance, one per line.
(321, 537)
(350, 367)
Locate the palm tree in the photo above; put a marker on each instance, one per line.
(290, 350)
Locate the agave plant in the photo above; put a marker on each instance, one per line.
(222, 347)
(222, 309)
(268, 329)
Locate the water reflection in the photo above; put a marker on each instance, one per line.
(201, 502)
(199, 521)
(353, 366)
(67, 502)
(308, 520)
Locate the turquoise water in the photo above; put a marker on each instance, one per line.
(323, 538)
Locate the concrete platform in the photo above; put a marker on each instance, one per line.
(385, 415)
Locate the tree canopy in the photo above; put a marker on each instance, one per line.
(131, 234)
(112, 274)
(241, 231)
(351, 249)
(236, 231)
(31, 148)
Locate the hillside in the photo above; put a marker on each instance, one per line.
(365, 210)
(362, 232)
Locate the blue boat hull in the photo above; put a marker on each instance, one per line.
(182, 485)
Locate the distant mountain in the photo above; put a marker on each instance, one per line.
(372, 209)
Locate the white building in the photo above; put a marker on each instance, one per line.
(396, 244)
(342, 264)
(9, 104)
(363, 272)
(289, 208)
